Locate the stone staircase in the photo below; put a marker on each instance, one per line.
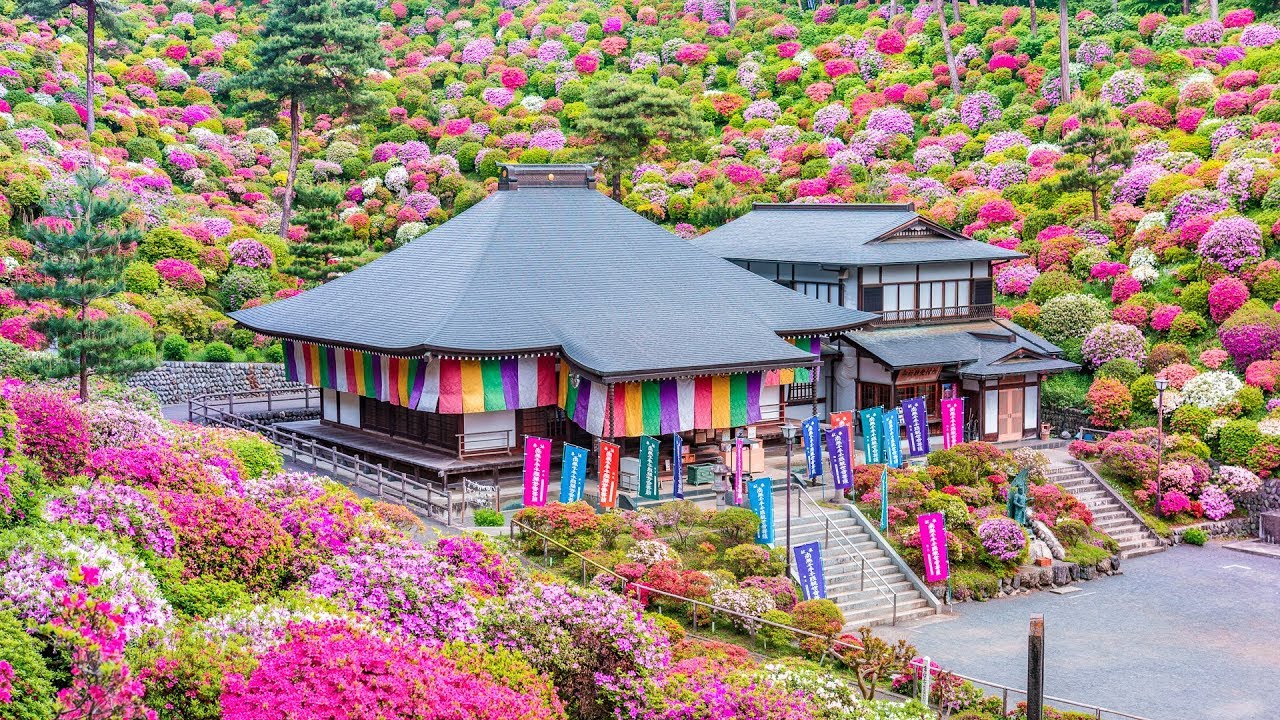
(1109, 515)
(866, 601)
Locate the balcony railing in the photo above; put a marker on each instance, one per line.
(933, 315)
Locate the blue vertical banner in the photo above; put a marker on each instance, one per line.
(915, 413)
(760, 497)
(884, 499)
(813, 581)
(872, 447)
(840, 448)
(677, 466)
(649, 489)
(573, 473)
(892, 439)
(811, 430)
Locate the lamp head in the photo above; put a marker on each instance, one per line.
(789, 431)
(1162, 384)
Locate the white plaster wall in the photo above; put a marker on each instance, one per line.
(490, 422)
(329, 400)
(350, 403)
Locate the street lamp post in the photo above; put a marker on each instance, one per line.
(1162, 384)
(789, 433)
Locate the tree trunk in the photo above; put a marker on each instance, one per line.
(1115, 6)
(1064, 54)
(946, 46)
(733, 14)
(1186, 7)
(615, 182)
(1034, 25)
(84, 375)
(1096, 211)
(287, 207)
(955, 10)
(1213, 10)
(92, 8)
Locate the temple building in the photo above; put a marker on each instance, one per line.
(549, 310)
(934, 334)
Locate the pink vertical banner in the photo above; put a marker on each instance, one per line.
(952, 422)
(737, 471)
(933, 544)
(537, 470)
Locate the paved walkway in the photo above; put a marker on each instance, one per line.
(1187, 634)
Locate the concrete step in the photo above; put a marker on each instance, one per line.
(1151, 549)
(883, 614)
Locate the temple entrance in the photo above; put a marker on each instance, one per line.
(1011, 408)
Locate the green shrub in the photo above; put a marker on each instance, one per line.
(1143, 390)
(1122, 369)
(1071, 531)
(1236, 439)
(1086, 554)
(1195, 298)
(1071, 316)
(257, 454)
(1192, 420)
(218, 352)
(33, 690)
(164, 243)
(1051, 285)
(205, 597)
(488, 517)
(141, 278)
(241, 285)
(15, 361)
(952, 507)
(273, 353)
(736, 525)
(1195, 536)
(141, 148)
(1250, 399)
(175, 348)
(1067, 390)
(241, 339)
(776, 636)
(750, 559)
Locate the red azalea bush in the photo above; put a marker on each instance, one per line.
(228, 539)
(1111, 402)
(1052, 505)
(1263, 374)
(330, 670)
(51, 430)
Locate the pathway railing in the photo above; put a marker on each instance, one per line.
(879, 584)
(223, 409)
(1009, 695)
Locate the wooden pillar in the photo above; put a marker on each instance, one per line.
(1035, 668)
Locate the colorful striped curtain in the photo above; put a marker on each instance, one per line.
(800, 374)
(664, 406)
(436, 385)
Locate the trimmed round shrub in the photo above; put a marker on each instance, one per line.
(175, 348)
(1052, 284)
(1110, 401)
(1251, 333)
(218, 352)
(141, 278)
(821, 617)
(1071, 316)
(1236, 439)
(1122, 369)
(1114, 341)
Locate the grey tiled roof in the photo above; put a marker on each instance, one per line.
(559, 269)
(979, 349)
(839, 235)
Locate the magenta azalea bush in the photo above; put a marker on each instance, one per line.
(1002, 538)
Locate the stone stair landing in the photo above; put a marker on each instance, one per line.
(1109, 515)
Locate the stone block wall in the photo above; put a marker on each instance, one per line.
(177, 382)
(1267, 498)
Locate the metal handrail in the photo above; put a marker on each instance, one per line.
(1003, 690)
(363, 474)
(879, 583)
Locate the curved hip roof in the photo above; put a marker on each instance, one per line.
(561, 269)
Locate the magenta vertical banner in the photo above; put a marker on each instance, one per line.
(537, 470)
(952, 422)
(933, 544)
(737, 472)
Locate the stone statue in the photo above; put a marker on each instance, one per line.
(1016, 504)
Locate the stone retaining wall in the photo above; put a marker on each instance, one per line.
(177, 382)
(1231, 527)
(1068, 419)
(1267, 498)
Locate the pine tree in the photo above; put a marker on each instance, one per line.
(313, 54)
(1095, 154)
(330, 248)
(625, 116)
(106, 13)
(84, 263)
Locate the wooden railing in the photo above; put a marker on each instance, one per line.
(225, 410)
(486, 442)
(927, 315)
(1009, 696)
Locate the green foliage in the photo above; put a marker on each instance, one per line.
(273, 353)
(952, 507)
(1066, 390)
(1071, 316)
(1085, 554)
(1195, 298)
(488, 517)
(143, 148)
(1051, 285)
(183, 671)
(1122, 369)
(776, 637)
(821, 617)
(1195, 536)
(1192, 420)
(175, 348)
(85, 263)
(141, 278)
(257, 454)
(164, 243)
(33, 690)
(736, 525)
(205, 597)
(1236, 439)
(218, 352)
(625, 115)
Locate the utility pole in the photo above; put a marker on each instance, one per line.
(1035, 668)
